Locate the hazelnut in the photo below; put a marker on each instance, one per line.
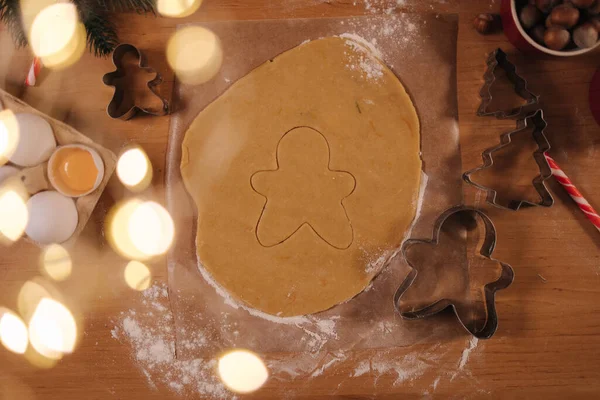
(583, 3)
(564, 16)
(546, 6)
(585, 36)
(530, 16)
(594, 9)
(548, 22)
(484, 23)
(556, 38)
(537, 33)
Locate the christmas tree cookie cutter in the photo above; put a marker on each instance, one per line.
(419, 255)
(124, 107)
(537, 121)
(499, 60)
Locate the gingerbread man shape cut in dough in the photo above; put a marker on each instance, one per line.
(304, 192)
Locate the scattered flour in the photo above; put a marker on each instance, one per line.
(466, 352)
(377, 264)
(326, 365)
(403, 31)
(363, 39)
(391, 6)
(465, 357)
(360, 44)
(327, 326)
(150, 334)
(408, 368)
(362, 56)
(385, 6)
(149, 331)
(366, 35)
(363, 367)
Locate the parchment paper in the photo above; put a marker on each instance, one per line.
(421, 50)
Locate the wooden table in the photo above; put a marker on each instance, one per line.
(548, 343)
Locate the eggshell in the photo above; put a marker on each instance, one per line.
(7, 171)
(61, 188)
(35, 140)
(52, 217)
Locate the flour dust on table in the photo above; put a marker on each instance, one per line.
(148, 330)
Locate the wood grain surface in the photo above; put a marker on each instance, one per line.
(548, 342)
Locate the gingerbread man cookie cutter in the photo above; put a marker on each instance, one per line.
(488, 244)
(119, 107)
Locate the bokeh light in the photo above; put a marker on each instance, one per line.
(13, 210)
(9, 135)
(151, 229)
(57, 36)
(134, 169)
(138, 275)
(195, 54)
(13, 332)
(242, 371)
(140, 230)
(30, 295)
(52, 329)
(117, 223)
(177, 8)
(40, 361)
(56, 262)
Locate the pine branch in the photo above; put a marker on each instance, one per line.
(101, 34)
(139, 6)
(10, 14)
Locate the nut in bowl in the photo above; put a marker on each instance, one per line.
(75, 170)
(556, 27)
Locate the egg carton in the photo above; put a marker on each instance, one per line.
(35, 179)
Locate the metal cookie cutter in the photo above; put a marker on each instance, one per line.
(536, 120)
(116, 108)
(475, 327)
(498, 59)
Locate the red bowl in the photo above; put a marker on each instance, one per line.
(521, 40)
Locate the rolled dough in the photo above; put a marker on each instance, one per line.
(305, 174)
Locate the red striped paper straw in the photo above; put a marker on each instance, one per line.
(566, 183)
(34, 71)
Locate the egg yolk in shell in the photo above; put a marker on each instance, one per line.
(76, 170)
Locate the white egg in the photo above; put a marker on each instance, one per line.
(7, 171)
(52, 217)
(35, 140)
